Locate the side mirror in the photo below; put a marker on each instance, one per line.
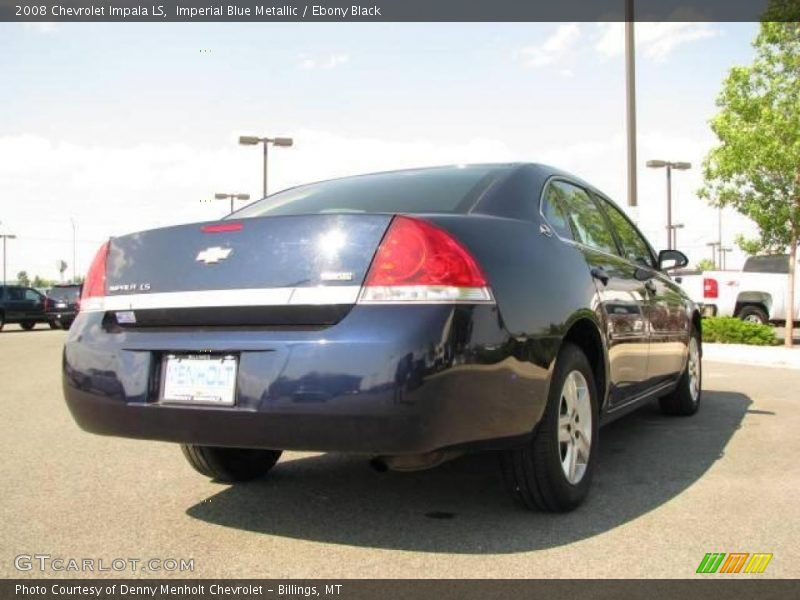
(671, 259)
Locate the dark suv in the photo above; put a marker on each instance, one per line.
(22, 305)
(62, 303)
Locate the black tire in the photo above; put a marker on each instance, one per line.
(54, 325)
(682, 401)
(533, 472)
(753, 313)
(2, 321)
(230, 464)
(27, 325)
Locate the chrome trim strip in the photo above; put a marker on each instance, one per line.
(289, 296)
(426, 294)
(345, 294)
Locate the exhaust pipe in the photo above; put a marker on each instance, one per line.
(413, 462)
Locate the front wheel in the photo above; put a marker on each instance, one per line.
(230, 464)
(553, 472)
(684, 400)
(28, 325)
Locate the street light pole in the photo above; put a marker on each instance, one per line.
(266, 170)
(723, 252)
(674, 229)
(252, 140)
(681, 166)
(630, 99)
(232, 197)
(6, 236)
(713, 246)
(669, 206)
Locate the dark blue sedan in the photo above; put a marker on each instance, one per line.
(408, 316)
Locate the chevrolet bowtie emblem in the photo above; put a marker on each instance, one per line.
(213, 255)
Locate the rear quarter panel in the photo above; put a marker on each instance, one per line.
(541, 284)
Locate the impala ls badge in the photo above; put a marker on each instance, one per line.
(213, 255)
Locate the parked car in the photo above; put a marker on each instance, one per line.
(409, 316)
(757, 293)
(62, 303)
(23, 305)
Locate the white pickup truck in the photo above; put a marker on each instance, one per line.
(757, 293)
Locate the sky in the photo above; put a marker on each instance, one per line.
(123, 127)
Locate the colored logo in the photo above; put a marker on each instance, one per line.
(734, 562)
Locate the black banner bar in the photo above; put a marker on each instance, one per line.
(397, 10)
(711, 588)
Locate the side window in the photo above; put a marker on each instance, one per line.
(634, 247)
(553, 211)
(32, 295)
(588, 223)
(15, 294)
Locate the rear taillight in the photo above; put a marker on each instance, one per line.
(94, 286)
(710, 288)
(48, 304)
(419, 262)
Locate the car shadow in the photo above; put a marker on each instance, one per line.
(646, 459)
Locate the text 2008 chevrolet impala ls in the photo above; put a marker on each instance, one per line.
(407, 316)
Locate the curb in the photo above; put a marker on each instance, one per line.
(762, 356)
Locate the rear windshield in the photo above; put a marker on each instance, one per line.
(776, 263)
(65, 293)
(437, 190)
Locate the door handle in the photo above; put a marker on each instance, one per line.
(600, 274)
(650, 286)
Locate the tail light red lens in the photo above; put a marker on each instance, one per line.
(710, 288)
(419, 262)
(94, 286)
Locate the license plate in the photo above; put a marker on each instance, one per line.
(199, 379)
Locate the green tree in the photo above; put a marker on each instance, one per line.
(756, 166)
(23, 279)
(41, 282)
(705, 264)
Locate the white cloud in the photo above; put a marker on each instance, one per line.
(41, 26)
(552, 49)
(113, 190)
(329, 61)
(654, 40)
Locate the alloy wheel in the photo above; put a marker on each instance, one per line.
(693, 369)
(575, 426)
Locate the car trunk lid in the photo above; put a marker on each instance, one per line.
(288, 270)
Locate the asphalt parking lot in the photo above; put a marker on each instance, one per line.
(667, 491)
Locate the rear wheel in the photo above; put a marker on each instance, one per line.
(28, 325)
(553, 472)
(230, 464)
(753, 314)
(54, 325)
(2, 321)
(684, 400)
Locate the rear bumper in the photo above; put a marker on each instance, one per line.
(384, 380)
